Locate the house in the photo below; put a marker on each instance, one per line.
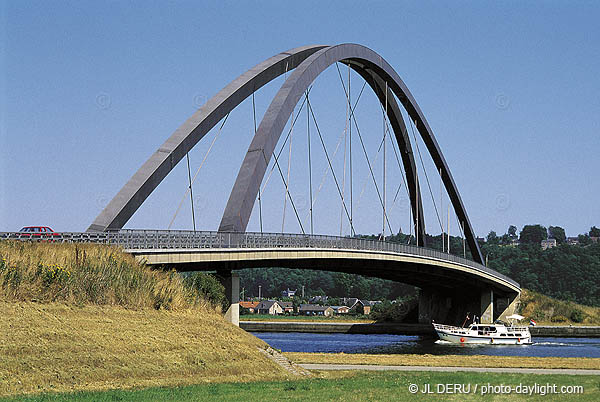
(288, 307)
(288, 293)
(318, 299)
(572, 241)
(271, 307)
(340, 309)
(549, 243)
(350, 302)
(315, 309)
(251, 306)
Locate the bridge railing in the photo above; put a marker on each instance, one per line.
(184, 239)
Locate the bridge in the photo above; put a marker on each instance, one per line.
(450, 285)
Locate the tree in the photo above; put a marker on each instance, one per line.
(533, 234)
(594, 232)
(492, 238)
(512, 232)
(558, 233)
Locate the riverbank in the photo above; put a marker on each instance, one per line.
(400, 329)
(427, 360)
(304, 318)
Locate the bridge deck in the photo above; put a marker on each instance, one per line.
(222, 250)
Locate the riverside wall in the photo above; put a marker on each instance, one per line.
(400, 329)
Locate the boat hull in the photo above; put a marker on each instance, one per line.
(468, 339)
(487, 335)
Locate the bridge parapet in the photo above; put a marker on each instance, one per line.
(194, 240)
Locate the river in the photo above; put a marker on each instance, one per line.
(403, 344)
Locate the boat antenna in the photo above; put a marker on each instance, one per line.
(466, 319)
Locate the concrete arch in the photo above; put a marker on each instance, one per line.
(243, 196)
(120, 209)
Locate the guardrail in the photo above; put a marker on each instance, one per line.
(184, 239)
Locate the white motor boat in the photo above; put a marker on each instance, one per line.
(495, 334)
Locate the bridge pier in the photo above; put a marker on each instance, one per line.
(446, 307)
(487, 306)
(231, 281)
(451, 307)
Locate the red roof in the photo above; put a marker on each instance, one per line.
(247, 304)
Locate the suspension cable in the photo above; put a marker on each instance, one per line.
(259, 192)
(187, 155)
(284, 143)
(401, 175)
(426, 176)
(326, 169)
(329, 162)
(198, 171)
(285, 196)
(344, 175)
(384, 163)
(366, 156)
(285, 185)
(309, 165)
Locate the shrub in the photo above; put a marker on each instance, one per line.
(577, 316)
(208, 287)
(559, 318)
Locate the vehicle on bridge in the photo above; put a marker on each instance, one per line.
(496, 334)
(37, 231)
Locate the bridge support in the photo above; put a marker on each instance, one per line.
(487, 306)
(446, 307)
(231, 281)
(451, 307)
(506, 306)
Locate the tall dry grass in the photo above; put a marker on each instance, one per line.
(88, 274)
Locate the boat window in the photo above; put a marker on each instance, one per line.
(493, 329)
(502, 334)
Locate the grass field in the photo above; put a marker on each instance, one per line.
(355, 386)
(447, 360)
(59, 347)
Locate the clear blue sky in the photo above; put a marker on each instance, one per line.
(90, 89)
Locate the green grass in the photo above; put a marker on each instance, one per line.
(337, 318)
(345, 386)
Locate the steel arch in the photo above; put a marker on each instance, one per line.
(243, 196)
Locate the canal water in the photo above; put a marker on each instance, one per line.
(403, 344)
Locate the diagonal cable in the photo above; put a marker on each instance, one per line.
(365, 152)
(330, 165)
(189, 189)
(326, 170)
(426, 177)
(285, 142)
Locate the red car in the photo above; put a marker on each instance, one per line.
(30, 231)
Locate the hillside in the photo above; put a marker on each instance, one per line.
(88, 317)
(549, 311)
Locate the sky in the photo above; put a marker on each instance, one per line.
(89, 90)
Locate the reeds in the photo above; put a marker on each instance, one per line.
(88, 274)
